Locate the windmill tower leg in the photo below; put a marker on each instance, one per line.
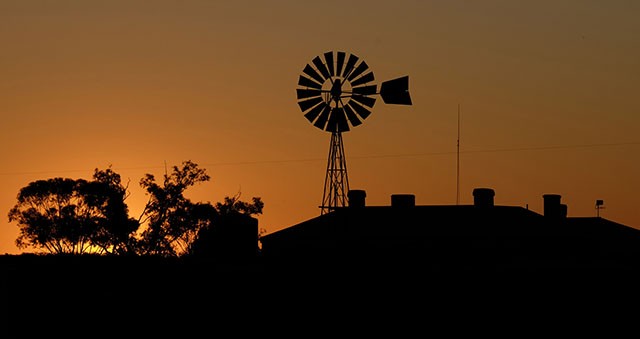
(336, 181)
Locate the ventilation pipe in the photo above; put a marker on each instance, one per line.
(356, 198)
(403, 200)
(483, 197)
(553, 208)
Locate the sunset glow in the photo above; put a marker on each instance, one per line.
(547, 93)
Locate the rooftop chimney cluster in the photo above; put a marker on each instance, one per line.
(482, 197)
(356, 199)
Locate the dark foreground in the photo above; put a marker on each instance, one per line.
(163, 297)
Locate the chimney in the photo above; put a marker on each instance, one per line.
(403, 200)
(356, 198)
(483, 197)
(553, 208)
(563, 211)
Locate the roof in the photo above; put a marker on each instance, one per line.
(446, 235)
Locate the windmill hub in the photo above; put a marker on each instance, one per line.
(336, 90)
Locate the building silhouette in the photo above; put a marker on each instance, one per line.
(482, 237)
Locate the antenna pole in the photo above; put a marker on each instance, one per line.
(458, 161)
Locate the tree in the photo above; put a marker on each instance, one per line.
(116, 232)
(235, 205)
(54, 215)
(172, 220)
(62, 215)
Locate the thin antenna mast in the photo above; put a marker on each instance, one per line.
(458, 161)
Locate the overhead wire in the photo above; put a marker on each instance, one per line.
(373, 156)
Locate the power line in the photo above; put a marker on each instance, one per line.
(496, 150)
(381, 156)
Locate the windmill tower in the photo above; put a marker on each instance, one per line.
(336, 92)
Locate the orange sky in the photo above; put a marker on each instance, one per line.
(548, 95)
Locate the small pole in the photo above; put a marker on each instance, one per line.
(458, 161)
(599, 206)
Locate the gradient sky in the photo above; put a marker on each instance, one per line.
(548, 92)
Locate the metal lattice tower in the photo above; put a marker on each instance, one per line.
(336, 180)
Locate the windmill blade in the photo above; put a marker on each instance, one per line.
(310, 71)
(362, 111)
(340, 63)
(367, 101)
(350, 64)
(329, 58)
(343, 125)
(306, 82)
(306, 104)
(314, 112)
(363, 79)
(308, 93)
(396, 91)
(337, 121)
(359, 70)
(321, 122)
(365, 90)
(351, 115)
(340, 68)
(321, 67)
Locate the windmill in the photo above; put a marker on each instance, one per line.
(336, 92)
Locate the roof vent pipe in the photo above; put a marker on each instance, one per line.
(403, 200)
(356, 198)
(483, 197)
(552, 206)
(563, 211)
